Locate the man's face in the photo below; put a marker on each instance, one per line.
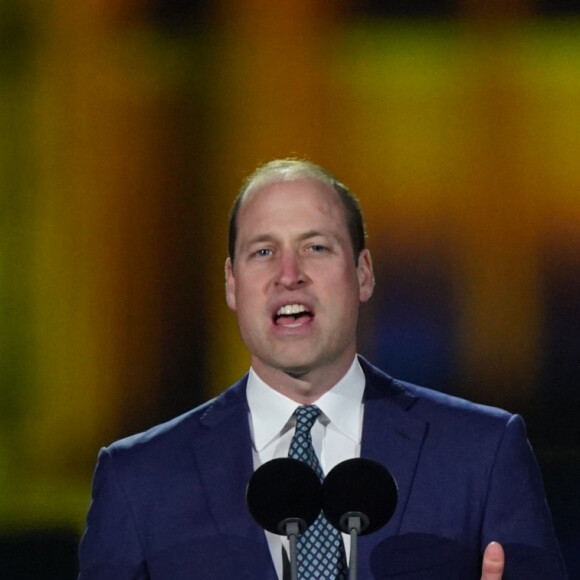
(295, 286)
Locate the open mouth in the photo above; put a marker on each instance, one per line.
(292, 315)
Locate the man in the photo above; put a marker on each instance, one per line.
(170, 503)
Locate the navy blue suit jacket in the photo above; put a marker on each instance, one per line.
(170, 503)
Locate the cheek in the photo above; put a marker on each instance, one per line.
(247, 302)
(342, 297)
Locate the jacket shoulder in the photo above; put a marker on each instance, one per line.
(179, 433)
(429, 404)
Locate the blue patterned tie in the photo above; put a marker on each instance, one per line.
(321, 554)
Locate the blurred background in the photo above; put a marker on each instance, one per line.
(126, 128)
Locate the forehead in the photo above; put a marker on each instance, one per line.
(280, 203)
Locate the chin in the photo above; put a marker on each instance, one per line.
(297, 373)
(296, 368)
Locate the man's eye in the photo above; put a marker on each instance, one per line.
(263, 253)
(317, 248)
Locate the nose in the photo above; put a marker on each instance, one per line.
(290, 273)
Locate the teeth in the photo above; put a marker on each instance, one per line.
(289, 309)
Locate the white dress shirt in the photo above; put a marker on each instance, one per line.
(336, 434)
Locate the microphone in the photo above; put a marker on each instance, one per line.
(284, 489)
(284, 497)
(359, 496)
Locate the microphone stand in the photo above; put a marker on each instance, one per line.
(354, 523)
(292, 530)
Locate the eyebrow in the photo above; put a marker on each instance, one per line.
(258, 239)
(313, 234)
(269, 237)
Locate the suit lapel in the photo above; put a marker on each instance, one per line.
(391, 435)
(223, 455)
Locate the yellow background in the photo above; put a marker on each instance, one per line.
(122, 145)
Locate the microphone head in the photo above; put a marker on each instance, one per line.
(284, 489)
(360, 486)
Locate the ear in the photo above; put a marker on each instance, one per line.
(366, 276)
(230, 284)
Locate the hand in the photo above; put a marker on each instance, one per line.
(493, 562)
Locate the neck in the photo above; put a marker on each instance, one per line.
(303, 387)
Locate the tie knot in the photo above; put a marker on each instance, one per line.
(305, 417)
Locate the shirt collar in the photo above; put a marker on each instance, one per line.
(270, 411)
